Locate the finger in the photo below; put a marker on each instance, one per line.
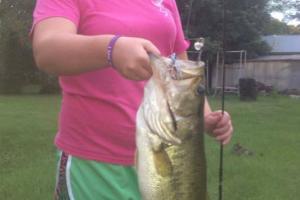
(220, 112)
(211, 123)
(225, 136)
(212, 118)
(145, 63)
(222, 130)
(225, 119)
(217, 112)
(227, 140)
(138, 74)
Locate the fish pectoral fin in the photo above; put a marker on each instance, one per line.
(207, 197)
(136, 159)
(162, 163)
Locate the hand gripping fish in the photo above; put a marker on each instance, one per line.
(171, 162)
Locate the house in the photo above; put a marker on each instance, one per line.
(283, 44)
(280, 69)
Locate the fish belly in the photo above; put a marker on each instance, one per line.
(187, 179)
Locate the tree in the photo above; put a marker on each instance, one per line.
(17, 67)
(294, 30)
(17, 62)
(243, 23)
(276, 27)
(291, 8)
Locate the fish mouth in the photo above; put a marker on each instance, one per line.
(176, 68)
(185, 69)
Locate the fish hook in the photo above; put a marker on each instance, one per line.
(174, 67)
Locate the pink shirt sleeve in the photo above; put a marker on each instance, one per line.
(56, 8)
(181, 44)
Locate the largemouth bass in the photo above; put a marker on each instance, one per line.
(170, 160)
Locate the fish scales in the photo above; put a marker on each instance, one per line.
(171, 162)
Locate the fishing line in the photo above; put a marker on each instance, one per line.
(187, 27)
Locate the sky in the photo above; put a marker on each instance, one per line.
(280, 16)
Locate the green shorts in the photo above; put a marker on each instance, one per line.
(79, 179)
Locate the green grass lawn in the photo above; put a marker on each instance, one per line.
(27, 129)
(268, 128)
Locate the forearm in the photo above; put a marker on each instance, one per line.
(207, 108)
(67, 53)
(183, 56)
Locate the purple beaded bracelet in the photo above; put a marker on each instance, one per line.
(110, 48)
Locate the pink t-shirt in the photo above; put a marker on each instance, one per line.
(97, 118)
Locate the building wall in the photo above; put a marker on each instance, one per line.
(281, 75)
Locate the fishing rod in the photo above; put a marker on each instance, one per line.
(198, 47)
(223, 101)
(221, 144)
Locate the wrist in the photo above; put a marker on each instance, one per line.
(110, 49)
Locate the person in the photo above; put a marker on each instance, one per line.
(99, 49)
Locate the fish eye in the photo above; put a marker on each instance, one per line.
(200, 90)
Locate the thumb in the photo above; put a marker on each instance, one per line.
(151, 48)
(211, 119)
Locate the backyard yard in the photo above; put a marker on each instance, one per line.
(261, 163)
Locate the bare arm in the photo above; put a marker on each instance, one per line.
(183, 56)
(60, 50)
